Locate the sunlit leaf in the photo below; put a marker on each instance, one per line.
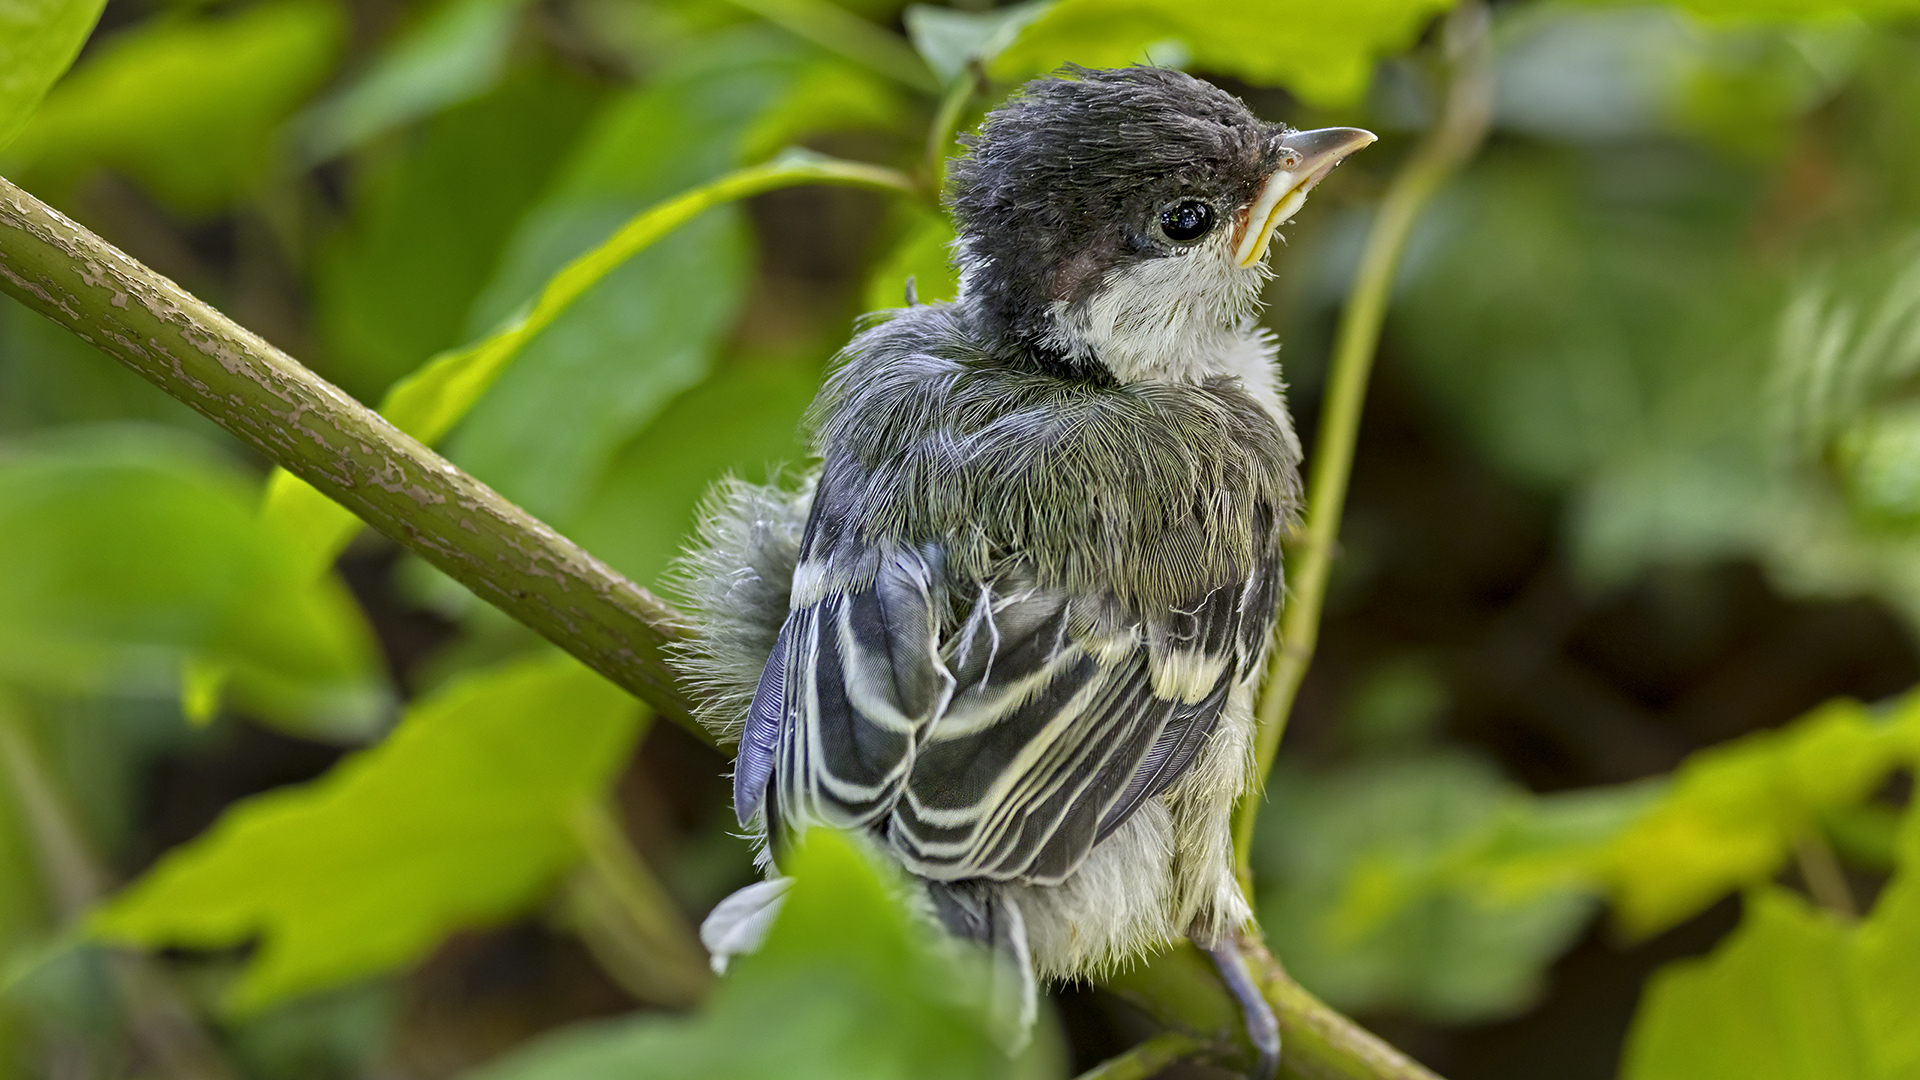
(38, 39)
(1776, 1000)
(845, 987)
(460, 819)
(1735, 810)
(1794, 993)
(456, 53)
(129, 549)
(186, 106)
(1322, 52)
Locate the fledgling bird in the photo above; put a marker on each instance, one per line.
(1012, 626)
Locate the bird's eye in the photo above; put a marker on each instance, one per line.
(1186, 221)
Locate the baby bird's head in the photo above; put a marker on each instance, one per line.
(1112, 223)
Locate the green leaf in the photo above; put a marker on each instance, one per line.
(1776, 1000)
(949, 40)
(458, 52)
(188, 107)
(924, 254)
(634, 340)
(1734, 810)
(1368, 889)
(742, 420)
(430, 227)
(129, 549)
(1793, 993)
(460, 819)
(38, 40)
(1322, 52)
(846, 987)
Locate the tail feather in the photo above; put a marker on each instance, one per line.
(734, 579)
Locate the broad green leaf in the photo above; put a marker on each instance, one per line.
(1364, 890)
(431, 401)
(458, 52)
(186, 106)
(1776, 1001)
(743, 420)
(1322, 52)
(846, 987)
(923, 254)
(430, 226)
(949, 40)
(1887, 963)
(38, 39)
(129, 549)
(1793, 993)
(646, 332)
(459, 819)
(1734, 810)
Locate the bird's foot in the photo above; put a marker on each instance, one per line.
(1263, 1030)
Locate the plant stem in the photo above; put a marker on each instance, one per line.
(1317, 1041)
(1461, 127)
(1146, 1059)
(946, 125)
(314, 430)
(629, 921)
(1820, 871)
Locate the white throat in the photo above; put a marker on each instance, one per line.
(1179, 318)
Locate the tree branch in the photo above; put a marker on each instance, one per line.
(1456, 134)
(320, 434)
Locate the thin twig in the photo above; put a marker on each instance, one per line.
(1146, 1059)
(1820, 871)
(1455, 136)
(628, 919)
(946, 125)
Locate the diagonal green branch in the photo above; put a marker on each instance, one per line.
(346, 450)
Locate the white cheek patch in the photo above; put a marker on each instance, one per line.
(1163, 318)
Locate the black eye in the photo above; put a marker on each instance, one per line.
(1186, 221)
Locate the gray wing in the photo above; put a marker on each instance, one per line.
(1007, 748)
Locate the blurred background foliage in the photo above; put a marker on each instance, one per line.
(1602, 770)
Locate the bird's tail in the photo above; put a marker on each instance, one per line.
(734, 579)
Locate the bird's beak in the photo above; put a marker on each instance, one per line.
(1310, 156)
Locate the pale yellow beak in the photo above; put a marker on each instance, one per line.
(1310, 156)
